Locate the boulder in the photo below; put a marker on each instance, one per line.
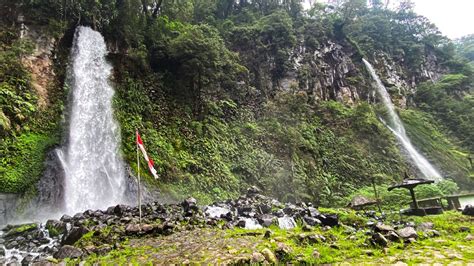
(266, 220)
(358, 202)
(329, 219)
(190, 206)
(313, 212)
(468, 210)
(73, 235)
(283, 251)
(27, 260)
(11, 244)
(120, 210)
(132, 229)
(383, 228)
(264, 208)
(269, 256)
(268, 234)
(407, 232)
(55, 227)
(66, 218)
(67, 251)
(257, 257)
(21, 229)
(311, 220)
(425, 226)
(379, 239)
(253, 190)
(316, 254)
(392, 236)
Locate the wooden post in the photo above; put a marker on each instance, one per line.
(415, 203)
(376, 195)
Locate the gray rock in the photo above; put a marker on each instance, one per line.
(73, 235)
(283, 250)
(311, 220)
(316, 254)
(268, 234)
(56, 227)
(379, 239)
(468, 210)
(27, 260)
(383, 228)
(269, 256)
(313, 212)
(257, 257)
(266, 220)
(425, 226)
(392, 236)
(66, 218)
(68, 252)
(12, 244)
(135, 229)
(407, 232)
(253, 190)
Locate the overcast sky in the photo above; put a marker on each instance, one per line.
(454, 18)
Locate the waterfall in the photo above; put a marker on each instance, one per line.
(396, 126)
(94, 171)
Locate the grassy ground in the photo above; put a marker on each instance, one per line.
(337, 245)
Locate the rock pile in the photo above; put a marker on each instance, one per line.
(70, 236)
(60, 239)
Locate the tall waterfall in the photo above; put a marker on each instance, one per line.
(396, 126)
(94, 171)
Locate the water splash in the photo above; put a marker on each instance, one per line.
(396, 126)
(252, 224)
(286, 222)
(216, 211)
(94, 171)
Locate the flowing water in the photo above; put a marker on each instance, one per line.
(286, 222)
(216, 211)
(252, 224)
(396, 126)
(94, 171)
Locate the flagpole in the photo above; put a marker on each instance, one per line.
(139, 187)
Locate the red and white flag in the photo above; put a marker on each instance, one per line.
(149, 160)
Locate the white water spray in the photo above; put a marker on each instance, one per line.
(396, 126)
(95, 175)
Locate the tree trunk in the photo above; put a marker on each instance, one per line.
(157, 8)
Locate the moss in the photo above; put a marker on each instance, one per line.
(24, 163)
(21, 229)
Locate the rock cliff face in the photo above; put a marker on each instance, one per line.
(40, 62)
(334, 71)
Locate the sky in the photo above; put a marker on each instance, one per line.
(454, 18)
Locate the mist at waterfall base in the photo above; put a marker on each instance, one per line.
(395, 125)
(94, 171)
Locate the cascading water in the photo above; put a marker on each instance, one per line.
(94, 171)
(396, 126)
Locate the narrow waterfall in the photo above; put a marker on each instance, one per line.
(396, 126)
(94, 171)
